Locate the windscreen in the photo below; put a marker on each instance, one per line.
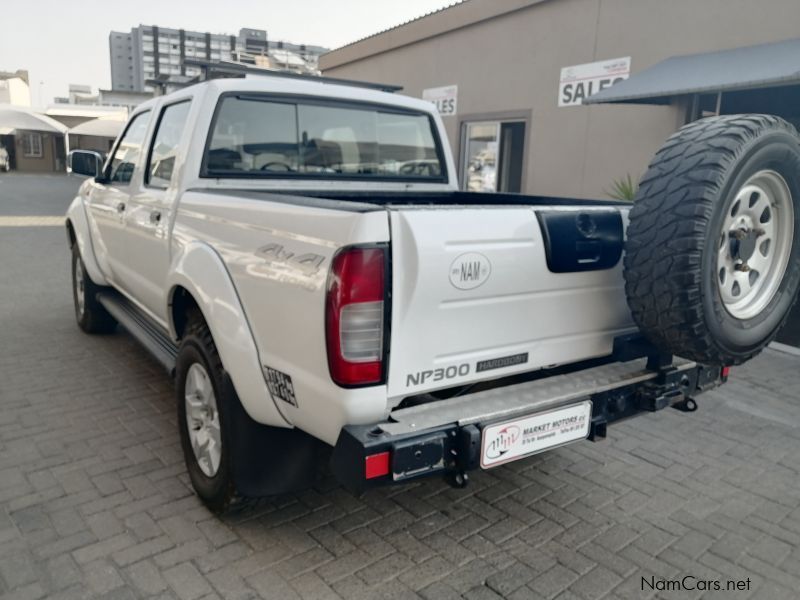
(254, 137)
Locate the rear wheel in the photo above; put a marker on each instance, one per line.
(92, 317)
(204, 395)
(712, 262)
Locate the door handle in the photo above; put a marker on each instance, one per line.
(121, 207)
(155, 217)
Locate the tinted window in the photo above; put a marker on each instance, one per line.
(164, 150)
(130, 146)
(253, 136)
(256, 138)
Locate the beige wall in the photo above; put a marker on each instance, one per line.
(512, 63)
(44, 164)
(90, 142)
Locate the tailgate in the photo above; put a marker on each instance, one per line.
(473, 297)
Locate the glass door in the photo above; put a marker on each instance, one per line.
(480, 157)
(493, 156)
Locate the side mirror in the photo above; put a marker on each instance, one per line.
(85, 162)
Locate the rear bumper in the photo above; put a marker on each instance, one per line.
(445, 437)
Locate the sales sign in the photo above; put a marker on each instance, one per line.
(581, 81)
(445, 98)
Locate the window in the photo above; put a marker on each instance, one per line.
(253, 137)
(32, 145)
(163, 152)
(493, 156)
(124, 160)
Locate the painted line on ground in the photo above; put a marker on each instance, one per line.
(785, 348)
(31, 221)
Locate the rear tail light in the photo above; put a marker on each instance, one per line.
(725, 372)
(354, 316)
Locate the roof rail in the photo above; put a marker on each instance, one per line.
(216, 69)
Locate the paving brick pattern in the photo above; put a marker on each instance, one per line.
(95, 502)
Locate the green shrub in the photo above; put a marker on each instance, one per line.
(623, 189)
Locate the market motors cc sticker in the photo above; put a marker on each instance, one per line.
(469, 271)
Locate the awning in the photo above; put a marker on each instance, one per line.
(109, 128)
(17, 117)
(765, 65)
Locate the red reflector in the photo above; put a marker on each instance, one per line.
(376, 465)
(726, 371)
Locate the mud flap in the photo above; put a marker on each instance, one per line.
(270, 460)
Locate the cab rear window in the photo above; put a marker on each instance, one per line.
(267, 137)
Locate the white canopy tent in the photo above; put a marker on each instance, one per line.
(101, 127)
(17, 117)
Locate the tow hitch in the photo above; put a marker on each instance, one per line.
(457, 479)
(688, 405)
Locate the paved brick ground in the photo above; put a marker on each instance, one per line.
(94, 500)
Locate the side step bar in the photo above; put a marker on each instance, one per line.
(149, 334)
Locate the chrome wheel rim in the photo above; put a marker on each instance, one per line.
(80, 291)
(202, 419)
(755, 244)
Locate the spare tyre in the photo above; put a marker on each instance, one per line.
(712, 261)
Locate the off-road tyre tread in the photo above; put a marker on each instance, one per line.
(196, 327)
(667, 233)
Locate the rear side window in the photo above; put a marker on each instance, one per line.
(164, 149)
(130, 147)
(253, 137)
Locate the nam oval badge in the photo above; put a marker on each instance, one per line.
(469, 271)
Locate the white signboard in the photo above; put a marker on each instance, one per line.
(511, 440)
(445, 98)
(581, 81)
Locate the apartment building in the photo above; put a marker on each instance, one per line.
(148, 53)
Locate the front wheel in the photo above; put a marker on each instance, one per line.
(92, 317)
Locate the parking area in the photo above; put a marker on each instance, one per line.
(95, 501)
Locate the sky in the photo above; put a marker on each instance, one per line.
(66, 41)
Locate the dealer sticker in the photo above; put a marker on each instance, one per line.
(521, 437)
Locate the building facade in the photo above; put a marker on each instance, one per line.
(82, 95)
(509, 79)
(15, 88)
(149, 53)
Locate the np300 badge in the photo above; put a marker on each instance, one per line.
(469, 271)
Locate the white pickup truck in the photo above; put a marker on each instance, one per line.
(299, 256)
